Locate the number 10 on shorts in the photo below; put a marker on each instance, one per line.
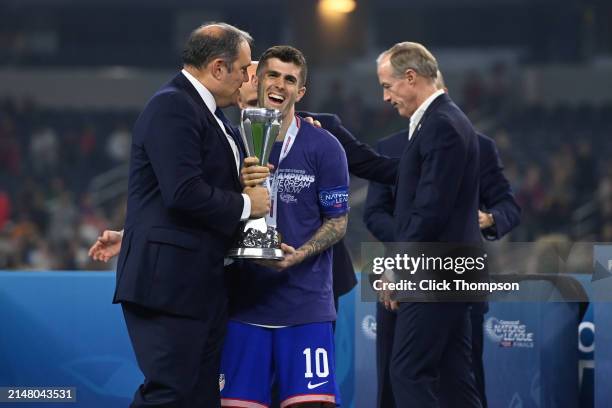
(320, 362)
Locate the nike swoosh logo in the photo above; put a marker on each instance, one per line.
(313, 386)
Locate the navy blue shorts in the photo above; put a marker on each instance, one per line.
(301, 358)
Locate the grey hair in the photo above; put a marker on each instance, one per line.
(410, 55)
(203, 46)
(440, 81)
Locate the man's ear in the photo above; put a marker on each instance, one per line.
(217, 68)
(300, 93)
(410, 75)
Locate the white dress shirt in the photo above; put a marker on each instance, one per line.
(418, 114)
(211, 104)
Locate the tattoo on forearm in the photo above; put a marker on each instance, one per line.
(332, 230)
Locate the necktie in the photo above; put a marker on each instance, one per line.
(232, 132)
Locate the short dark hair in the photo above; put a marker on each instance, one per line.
(203, 45)
(285, 53)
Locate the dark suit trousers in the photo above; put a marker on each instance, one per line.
(477, 317)
(179, 356)
(431, 357)
(385, 329)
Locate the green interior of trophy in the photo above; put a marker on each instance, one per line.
(257, 130)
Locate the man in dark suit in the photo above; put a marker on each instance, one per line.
(496, 197)
(184, 208)
(498, 215)
(436, 201)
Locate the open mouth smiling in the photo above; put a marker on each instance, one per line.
(275, 98)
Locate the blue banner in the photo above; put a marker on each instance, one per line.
(61, 330)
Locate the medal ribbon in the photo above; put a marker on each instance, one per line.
(273, 180)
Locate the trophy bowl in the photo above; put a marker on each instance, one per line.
(259, 128)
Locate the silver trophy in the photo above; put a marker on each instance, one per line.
(259, 128)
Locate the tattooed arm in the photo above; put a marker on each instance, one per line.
(330, 232)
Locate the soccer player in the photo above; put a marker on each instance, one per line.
(281, 317)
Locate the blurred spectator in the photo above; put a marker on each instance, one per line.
(41, 256)
(585, 180)
(531, 197)
(10, 151)
(63, 214)
(606, 232)
(353, 114)
(473, 92)
(336, 100)
(546, 254)
(87, 142)
(498, 90)
(48, 160)
(92, 220)
(5, 209)
(559, 193)
(44, 151)
(118, 144)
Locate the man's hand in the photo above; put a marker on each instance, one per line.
(252, 174)
(313, 121)
(386, 297)
(260, 201)
(107, 246)
(485, 220)
(291, 257)
(391, 305)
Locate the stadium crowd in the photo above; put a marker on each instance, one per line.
(50, 214)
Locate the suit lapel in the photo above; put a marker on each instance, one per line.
(417, 131)
(431, 108)
(238, 139)
(403, 146)
(182, 82)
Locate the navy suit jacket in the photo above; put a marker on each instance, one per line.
(363, 162)
(184, 206)
(380, 201)
(437, 196)
(496, 195)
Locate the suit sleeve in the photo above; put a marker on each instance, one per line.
(363, 161)
(378, 211)
(173, 143)
(445, 155)
(496, 193)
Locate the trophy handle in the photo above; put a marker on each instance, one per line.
(272, 134)
(267, 146)
(245, 129)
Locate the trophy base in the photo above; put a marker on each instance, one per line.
(273, 254)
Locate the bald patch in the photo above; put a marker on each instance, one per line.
(213, 30)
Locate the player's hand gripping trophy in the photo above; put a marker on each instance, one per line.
(259, 128)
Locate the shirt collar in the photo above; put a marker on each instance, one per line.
(418, 113)
(207, 97)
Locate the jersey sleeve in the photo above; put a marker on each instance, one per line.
(333, 178)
